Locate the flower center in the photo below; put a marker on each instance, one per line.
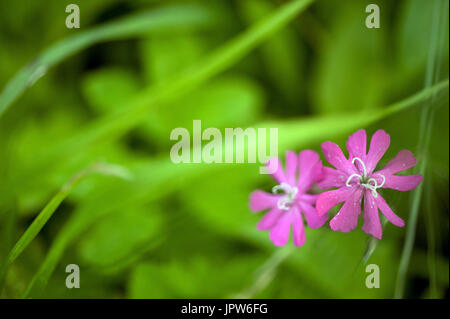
(284, 203)
(369, 183)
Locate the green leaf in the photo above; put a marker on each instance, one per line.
(239, 96)
(164, 57)
(199, 277)
(108, 89)
(117, 235)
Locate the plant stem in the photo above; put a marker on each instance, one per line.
(424, 138)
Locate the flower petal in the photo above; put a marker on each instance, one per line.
(356, 145)
(388, 213)
(347, 218)
(402, 183)
(291, 167)
(298, 229)
(310, 169)
(402, 161)
(312, 217)
(335, 157)
(278, 174)
(260, 200)
(378, 146)
(327, 200)
(279, 234)
(309, 198)
(270, 219)
(372, 224)
(332, 178)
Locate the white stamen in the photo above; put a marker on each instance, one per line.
(373, 187)
(350, 178)
(362, 164)
(288, 198)
(384, 180)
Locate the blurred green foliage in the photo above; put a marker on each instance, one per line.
(115, 93)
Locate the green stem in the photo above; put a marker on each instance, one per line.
(47, 212)
(424, 138)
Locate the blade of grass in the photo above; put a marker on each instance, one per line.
(431, 252)
(50, 161)
(153, 179)
(373, 242)
(297, 133)
(432, 74)
(372, 245)
(430, 216)
(39, 222)
(171, 17)
(117, 124)
(8, 200)
(265, 274)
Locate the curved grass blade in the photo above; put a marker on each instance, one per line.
(47, 212)
(297, 133)
(116, 124)
(172, 17)
(372, 245)
(431, 252)
(432, 74)
(265, 274)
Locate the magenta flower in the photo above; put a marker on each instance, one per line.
(356, 180)
(290, 198)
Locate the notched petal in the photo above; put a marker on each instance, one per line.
(347, 218)
(372, 224)
(403, 183)
(357, 144)
(378, 146)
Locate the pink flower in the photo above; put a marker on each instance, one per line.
(290, 198)
(356, 180)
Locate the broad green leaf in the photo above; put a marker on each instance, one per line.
(117, 235)
(164, 56)
(196, 278)
(110, 88)
(228, 101)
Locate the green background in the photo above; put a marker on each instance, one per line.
(149, 228)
